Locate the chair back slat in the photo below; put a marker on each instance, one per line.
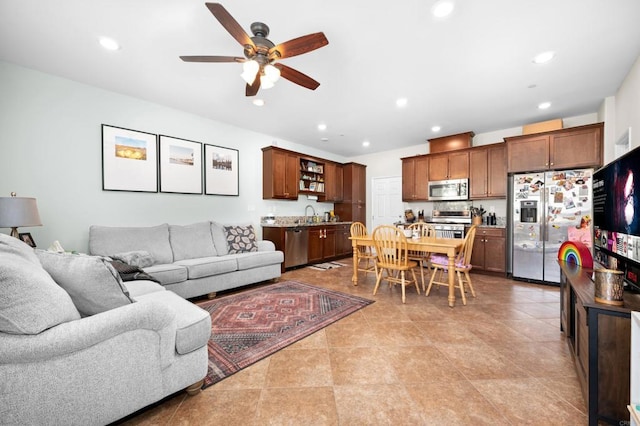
(424, 229)
(391, 246)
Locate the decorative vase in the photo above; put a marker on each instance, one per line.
(609, 287)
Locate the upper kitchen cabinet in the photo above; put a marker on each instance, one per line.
(333, 178)
(415, 178)
(561, 149)
(354, 183)
(279, 174)
(451, 165)
(488, 171)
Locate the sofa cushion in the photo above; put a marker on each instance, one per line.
(139, 258)
(30, 301)
(241, 239)
(168, 273)
(92, 282)
(194, 323)
(191, 241)
(208, 266)
(219, 238)
(108, 240)
(258, 259)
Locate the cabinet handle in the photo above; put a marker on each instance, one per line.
(552, 163)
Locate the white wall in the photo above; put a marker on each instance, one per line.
(627, 106)
(50, 149)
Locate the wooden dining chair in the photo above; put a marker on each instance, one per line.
(462, 266)
(365, 253)
(392, 252)
(420, 256)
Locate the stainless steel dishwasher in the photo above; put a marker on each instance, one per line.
(296, 244)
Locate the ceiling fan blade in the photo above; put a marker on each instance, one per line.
(299, 45)
(296, 77)
(212, 59)
(230, 24)
(252, 89)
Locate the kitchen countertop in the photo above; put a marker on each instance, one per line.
(301, 225)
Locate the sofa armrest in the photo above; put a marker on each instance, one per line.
(266, 245)
(74, 336)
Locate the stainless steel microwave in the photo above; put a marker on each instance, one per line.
(448, 190)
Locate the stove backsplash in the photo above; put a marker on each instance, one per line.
(448, 206)
(499, 206)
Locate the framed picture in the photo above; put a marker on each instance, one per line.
(180, 166)
(220, 171)
(27, 238)
(129, 160)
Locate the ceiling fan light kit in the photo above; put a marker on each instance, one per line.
(260, 66)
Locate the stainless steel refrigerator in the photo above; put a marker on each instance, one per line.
(547, 209)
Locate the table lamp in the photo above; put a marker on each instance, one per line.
(18, 211)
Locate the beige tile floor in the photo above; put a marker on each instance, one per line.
(499, 360)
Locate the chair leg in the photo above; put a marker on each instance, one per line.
(421, 266)
(415, 280)
(461, 286)
(402, 285)
(378, 279)
(433, 277)
(466, 274)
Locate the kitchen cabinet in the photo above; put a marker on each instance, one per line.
(322, 243)
(570, 148)
(353, 207)
(488, 172)
(489, 250)
(415, 173)
(311, 177)
(452, 165)
(333, 182)
(279, 174)
(599, 339)
(343, 243)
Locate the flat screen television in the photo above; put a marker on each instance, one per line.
(616, 216)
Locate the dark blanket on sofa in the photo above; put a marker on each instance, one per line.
(131, 273)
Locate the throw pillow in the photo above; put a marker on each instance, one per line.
(30, 301)
(191, 241)
(91, 281)
(241, 239)
(139, 258)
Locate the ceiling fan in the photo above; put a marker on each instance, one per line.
(260, 64)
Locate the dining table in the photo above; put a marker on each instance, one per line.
(447, 246)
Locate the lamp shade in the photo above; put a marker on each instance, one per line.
(18, 211)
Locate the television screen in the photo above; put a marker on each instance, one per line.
(616, 215)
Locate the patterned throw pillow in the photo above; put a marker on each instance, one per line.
(240, 239)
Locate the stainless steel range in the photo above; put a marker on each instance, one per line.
(450, 223)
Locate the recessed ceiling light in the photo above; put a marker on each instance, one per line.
(442, 8)
(258, 102)
(435, 129)
(401, 102)
(322, 126)
(109, 43)
(544, 105)
(324, 139)
(365, 144)
(543, 57)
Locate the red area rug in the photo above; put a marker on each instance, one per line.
(254, 324)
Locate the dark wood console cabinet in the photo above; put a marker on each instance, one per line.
(599, 336)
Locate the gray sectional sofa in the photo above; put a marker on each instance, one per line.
(78, 346)
(192, 260)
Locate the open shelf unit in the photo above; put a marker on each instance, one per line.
(311, 177)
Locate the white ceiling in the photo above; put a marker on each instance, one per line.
(470, 72)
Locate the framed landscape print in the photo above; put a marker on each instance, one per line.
(220, 171)
(129, 160)
(180, 166)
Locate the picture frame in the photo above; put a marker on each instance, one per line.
(27, 238)
(180, 165)
(129, 160)
(221, 170)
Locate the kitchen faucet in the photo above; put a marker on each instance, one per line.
(305, 212)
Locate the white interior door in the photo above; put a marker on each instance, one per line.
(386, 200)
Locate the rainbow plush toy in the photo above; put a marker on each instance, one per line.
(577, 253)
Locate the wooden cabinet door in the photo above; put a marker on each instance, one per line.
(343, 243)
(438, 167)
(316, 241)
(280, 174)
(495, 254)
(414, 178)
(528, 154)
(459, 165)
(332, 182)
(581, 148)
(329, 243)
(360, 184)
(497, 171)
(478, 173)
(477, 255)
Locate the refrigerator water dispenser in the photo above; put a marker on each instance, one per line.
(528, 211)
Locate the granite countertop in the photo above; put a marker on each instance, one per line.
(301, 225)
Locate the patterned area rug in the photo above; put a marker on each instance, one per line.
(251, 325)
(326, 266)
